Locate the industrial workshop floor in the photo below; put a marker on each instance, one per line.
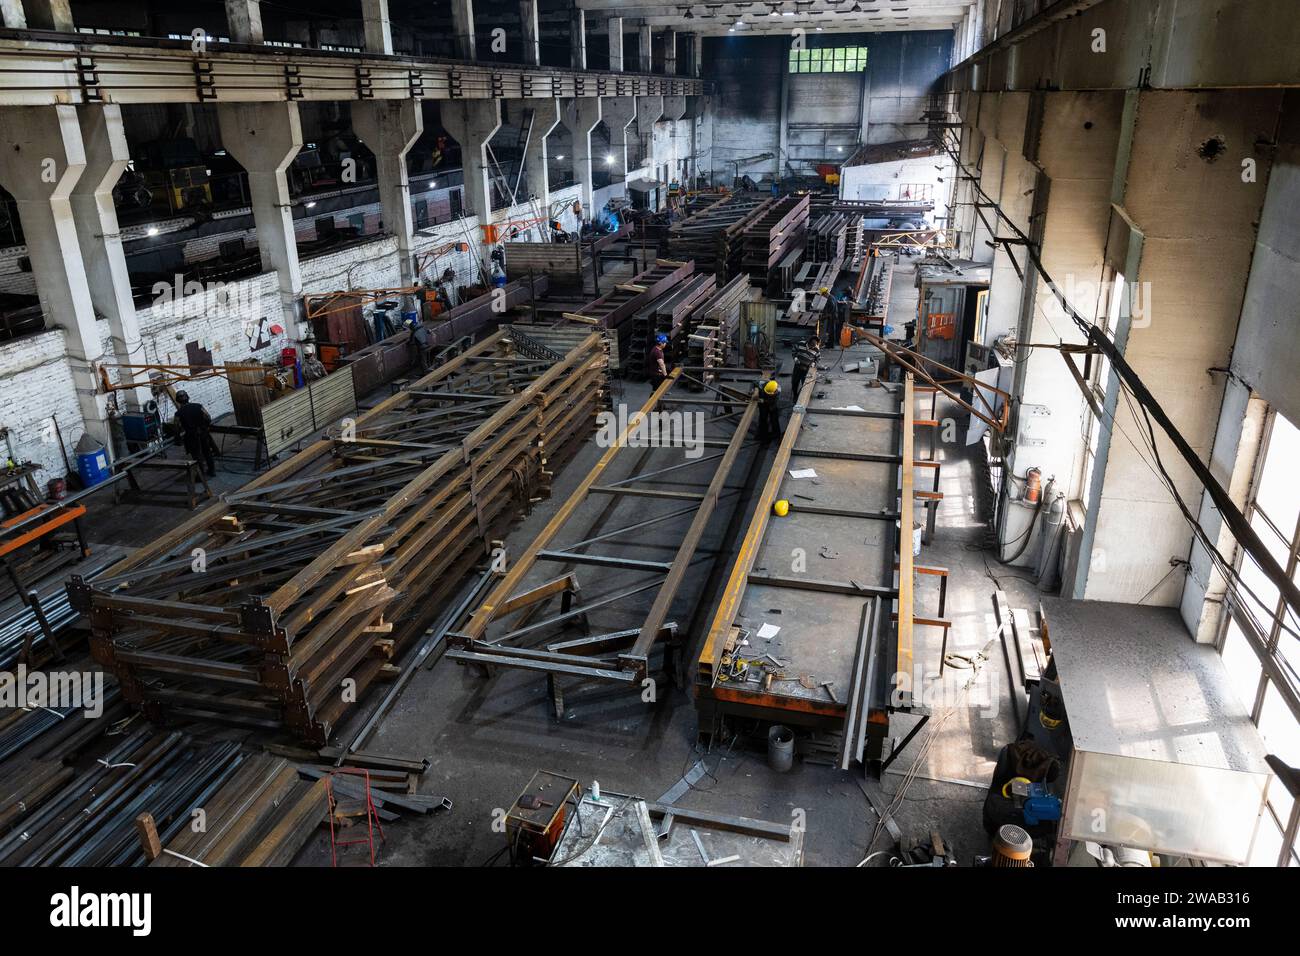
(486, 737)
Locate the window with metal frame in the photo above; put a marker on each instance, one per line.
(840, 59)
(1258, 643)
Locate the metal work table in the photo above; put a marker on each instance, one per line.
(1165, 757)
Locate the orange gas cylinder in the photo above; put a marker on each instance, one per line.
(1033, 485)
(846, 336)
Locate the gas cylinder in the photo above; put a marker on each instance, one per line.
(1033, 485)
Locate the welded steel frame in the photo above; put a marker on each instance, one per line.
(621, 656)
(318, 572)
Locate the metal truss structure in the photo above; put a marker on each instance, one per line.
(278, 606)
(507, 630)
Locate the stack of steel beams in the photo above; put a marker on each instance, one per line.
(277, 607)
(769, 237)
(712, 234)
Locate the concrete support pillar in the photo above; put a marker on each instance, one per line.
(578, 37)
(580, 116)
(244, 19)
(264, 138)
(1183, 196)
(390, 128)
(648, 111)
(674, 108)
(670, 52)
(697, 54)
(378, 28)
(645, 48)
(545, 117)
(104, 141)
(1078, 134)
(38, 15)
(41, 161)
(472, 123)
(531, 34)
(615, 27)
(618, 112)
(462, 27)
(1010, 182)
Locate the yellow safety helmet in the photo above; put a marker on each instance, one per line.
(824, 291)
(770, 387)
(782, 508)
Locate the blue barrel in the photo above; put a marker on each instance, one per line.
(411, 317)
(92, 466)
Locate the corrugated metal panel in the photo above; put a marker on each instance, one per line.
(294, 417)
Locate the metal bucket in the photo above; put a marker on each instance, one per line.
(780, 748)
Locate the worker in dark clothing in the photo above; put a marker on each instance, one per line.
(192, 421)
(658, 361)
(805, 358)
(769, 415)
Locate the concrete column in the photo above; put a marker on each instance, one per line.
(472, 123)
(244, 18)
(546, 116)
(580, 116)
(697, 54)
(41, 161)
(1075, 150)
(648, 111)
(674, 108)
(645, 48)
(618, 112)
(578, 37)
(670, 52)
(615, 27)
(104, 141)
(462, 27)
(378, 28)
(1011, 183)
(390, 128)
(531, 33)
(264, 138)
(1189, 237)
(39, 15)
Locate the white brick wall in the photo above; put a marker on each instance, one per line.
(36, 386)
(36, 381)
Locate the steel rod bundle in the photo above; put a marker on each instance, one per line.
(279, 606)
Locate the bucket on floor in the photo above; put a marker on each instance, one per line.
(916, 537)
(780, 748)
(92, 461)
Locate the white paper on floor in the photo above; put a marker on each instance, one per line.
(769, 631)
(803, 473)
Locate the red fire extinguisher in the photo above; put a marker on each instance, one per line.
(1033, 485)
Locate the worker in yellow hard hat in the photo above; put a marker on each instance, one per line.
(769, 416)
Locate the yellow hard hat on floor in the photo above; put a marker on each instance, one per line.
(770, 387)
(782, 508)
